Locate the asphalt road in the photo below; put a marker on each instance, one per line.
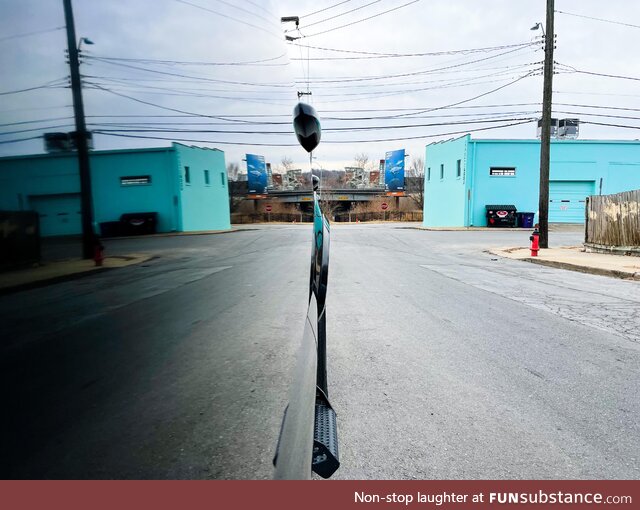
(444, 362)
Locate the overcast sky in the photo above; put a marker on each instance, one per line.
(358, 95)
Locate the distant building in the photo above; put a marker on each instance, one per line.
(186, 186)
(463, 175)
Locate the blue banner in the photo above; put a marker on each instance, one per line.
(256, 174)
(394, 170)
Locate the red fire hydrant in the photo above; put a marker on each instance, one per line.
(535, 242)
(98, 253)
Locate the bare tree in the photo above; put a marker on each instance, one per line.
(415, 182)
(416, 169)
(287, 163)
(232, 171)
(361, 160)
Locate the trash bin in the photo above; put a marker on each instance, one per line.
(501, 215)
(109, 229)
(526, 219)
(135, 224)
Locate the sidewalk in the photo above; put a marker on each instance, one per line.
(53, 272)
(575, 259)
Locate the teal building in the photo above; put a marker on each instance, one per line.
(463, 175)
(186, 186)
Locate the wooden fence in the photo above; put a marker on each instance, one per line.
(379, 216)
(613, 222)
(243, 218)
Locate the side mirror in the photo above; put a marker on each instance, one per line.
(306, 126)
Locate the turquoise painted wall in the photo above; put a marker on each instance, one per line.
(180, 207)
(445, 198)
(617, 163)
(111, 199)
(203, 206)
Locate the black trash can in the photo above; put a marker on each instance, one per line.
(136, 224)
(501, 215)
(110, 229)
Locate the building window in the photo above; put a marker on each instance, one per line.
(499, 171)
(135, 180)
(206, 177)
(187, 175)
(222, 178)
(428, 173)
(459, 169)
(442, 172)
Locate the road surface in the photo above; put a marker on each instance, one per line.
(444, 361)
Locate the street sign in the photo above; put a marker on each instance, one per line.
(384, 206)
(267, 207)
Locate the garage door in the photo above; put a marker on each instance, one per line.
(59, 214)
(567, 200)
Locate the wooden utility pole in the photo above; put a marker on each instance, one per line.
(545, 139)
(88, 235)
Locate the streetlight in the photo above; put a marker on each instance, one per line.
(538, 26)
(85, 40)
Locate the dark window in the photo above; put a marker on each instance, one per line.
(498, 171)
(428, 173)
(135, 180)
(442, 171)
(187, 175)
(206, 177)
(222, 178)
(458, 168)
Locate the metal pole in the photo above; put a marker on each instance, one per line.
(88, 236)
(545, 139)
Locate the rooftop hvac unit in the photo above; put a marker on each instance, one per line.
(554, 128)
(64, 142)
(569, 129)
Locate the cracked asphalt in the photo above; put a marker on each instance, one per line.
(444, 362)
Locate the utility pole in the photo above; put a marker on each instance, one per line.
(88, 236)
(545, 139)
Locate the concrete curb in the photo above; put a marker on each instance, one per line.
(559, 264)
(44, 280)
(174, 234)
(584, 269)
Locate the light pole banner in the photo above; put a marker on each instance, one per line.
(394, 170)
(256, 174)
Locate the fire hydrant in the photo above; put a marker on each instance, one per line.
(535, 243)
(98, 253)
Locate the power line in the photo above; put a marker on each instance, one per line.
(340, 15)
(49, 84)
(47, 128)
(19, 140)
(39, 121)
(193, 77)
(262, 62)
(335, 129)
(360, 20)
(607, 75)
(217, 142)
(278, 36)
(376, 55)
(28, 34)
(599, 107)
(148, 103)
(325, 9)
(492, 91)
(598, 19)
(610, 125)
(343, 79)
